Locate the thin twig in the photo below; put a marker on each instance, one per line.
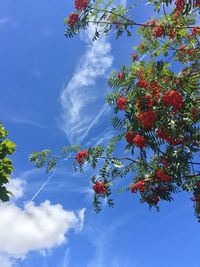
(133, 23)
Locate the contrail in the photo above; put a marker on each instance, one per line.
(95, 121)
(103, 109)
(43, 185)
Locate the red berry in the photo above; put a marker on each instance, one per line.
(139, 141)
(73, 18)
(147, 119)
(80, 157)
(99, 188)
(163, 176)
(129, 136)
(134, 56)
(121, 103)
(81, 4)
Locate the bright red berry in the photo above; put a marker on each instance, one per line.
(129, 136)
(180, 4)
(173, 98)
(195, 31)
(81, 4)
(142, 83)
(73, 18)
(139, 141)
(80, 157)
(140, 186)
(182, 47)
(121, 103)
(163, 176)
(148, 119)
(120, 76)
(158, 31)
(99, 188)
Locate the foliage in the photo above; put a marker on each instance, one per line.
(6, 168)
(156, 103)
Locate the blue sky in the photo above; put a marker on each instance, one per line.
(52, 94)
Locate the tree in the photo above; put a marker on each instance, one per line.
(156, 105)
(6, 168)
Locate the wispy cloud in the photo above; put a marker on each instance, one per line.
(100, 139)
(80, 98)
(66, 260)
(103, 110)
(103, 239)
(35, 73)
(4, 21)
(27, 121)
(21, 120)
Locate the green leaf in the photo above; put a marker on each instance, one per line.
(4, 194)
(117, 163)
(51, 165)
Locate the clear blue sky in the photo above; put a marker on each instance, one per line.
(52, 94)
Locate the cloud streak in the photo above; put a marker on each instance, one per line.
(102, 111)
(4, 20)
(102, 239)
(79, 98)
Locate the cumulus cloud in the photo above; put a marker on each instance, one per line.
(30, 227)
(16, 187)
(5, 261)
(34, 227)
(79, 97)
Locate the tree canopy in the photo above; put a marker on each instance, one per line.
(6, 168)
(155, 103)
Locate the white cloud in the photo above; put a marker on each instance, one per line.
(79, 98)
(34, 228)
(16, 187)
(5, 261)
